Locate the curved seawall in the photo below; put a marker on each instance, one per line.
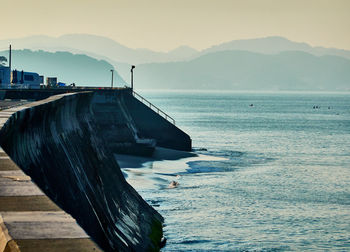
(61, 143)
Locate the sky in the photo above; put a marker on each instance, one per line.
(163, 25)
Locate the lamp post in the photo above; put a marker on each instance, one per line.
(132, 77)
(112, 78)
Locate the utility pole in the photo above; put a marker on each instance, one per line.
(10, 55)
(132, 77)
(112, 78)
(10, 62)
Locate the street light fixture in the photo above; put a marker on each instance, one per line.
(132, 77)
(112, 78)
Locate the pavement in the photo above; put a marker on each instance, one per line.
(6, 104)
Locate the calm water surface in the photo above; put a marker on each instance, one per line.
(280, 180)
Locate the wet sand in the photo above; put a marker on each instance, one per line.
(160, 154)
(158, 171)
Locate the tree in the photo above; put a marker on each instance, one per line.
(3, 60)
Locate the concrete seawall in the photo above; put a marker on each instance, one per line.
(65, 144)
(151, 125)
(130, 121)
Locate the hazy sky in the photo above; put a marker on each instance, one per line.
(165, 24)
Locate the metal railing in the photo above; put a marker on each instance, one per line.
(154, 108)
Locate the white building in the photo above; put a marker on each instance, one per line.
(5, 76)
(21, 79)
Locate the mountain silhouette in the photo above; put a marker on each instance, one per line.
(104, 48)
(243, 70)
(80, 69)
(270, 63)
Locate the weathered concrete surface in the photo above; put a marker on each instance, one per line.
(139, 128)
(52, 245)
(119, 129)
(58, 143)
(40, 94)
(5, 104)
(30, 221)
(150, 125)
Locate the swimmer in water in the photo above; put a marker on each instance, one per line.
(173, 184)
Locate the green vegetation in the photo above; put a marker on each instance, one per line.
(156, 235)
(3, 60)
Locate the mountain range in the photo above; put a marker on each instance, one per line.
(263, 63)
(243, 70)
(67, 67)
(97, 47)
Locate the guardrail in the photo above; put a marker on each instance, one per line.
(153, 107)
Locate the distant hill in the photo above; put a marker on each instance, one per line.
(274, 45)
(271, 63)
(98, 47)
(80, 69)
(107, 49)
(242, 70)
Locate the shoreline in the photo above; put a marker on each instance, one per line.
(158, 171)
(160, 154)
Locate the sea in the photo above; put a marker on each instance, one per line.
(272, 172)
